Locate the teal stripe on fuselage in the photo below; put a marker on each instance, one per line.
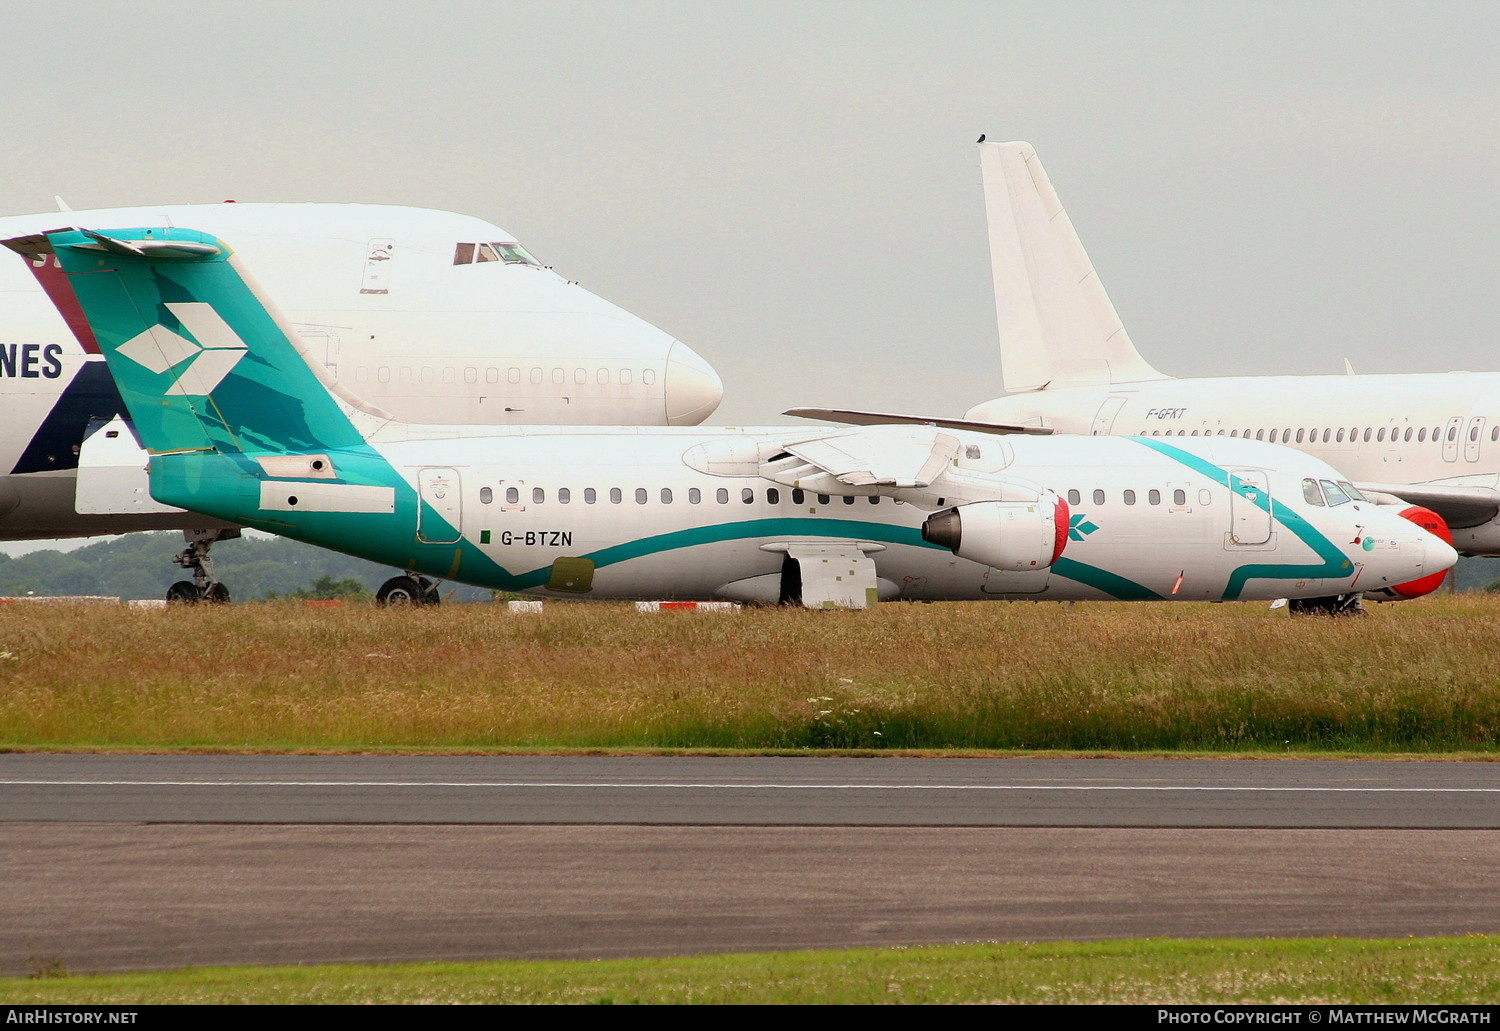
(1334, 565)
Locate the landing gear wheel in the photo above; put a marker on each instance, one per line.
(403, 590)
(183, 592)
(1338, 605)
(216, 594)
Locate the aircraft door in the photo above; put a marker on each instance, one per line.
(1249, 523)
(440, 513)
(1473, 437)
(1450, 438)
(377, 274)
(1105, 417)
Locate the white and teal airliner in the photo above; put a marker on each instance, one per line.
(242, 426)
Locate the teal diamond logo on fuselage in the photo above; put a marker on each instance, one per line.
(1079, 527)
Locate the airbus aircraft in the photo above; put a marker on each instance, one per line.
(428, 314)
(1069, 365)
(243, 425)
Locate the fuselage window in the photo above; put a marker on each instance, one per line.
(538, 495)
(1407, 437)
(558, 375)
(1074, 498)
(648, 377)
(1130, 497)
(773, 496)
(590, 495)
(1205, 497)
(492, 375)
(471, 374)
(640, 495)
(624, 375)
(1154, 496)
(1273, 436)
(512, 496)
(1380, 434)
(874, 499)
(722, 496)
(848, 499)
(615, 496)
(1299, 436)
(1260, 434)
(1311, 494)
(1367, 434)
(1494, 433)
(799, 495)
(1235, 433)
(450, 375)
(486, 495)
(747, 495)
(1193, 434)
(1474, 432)
(823, 499)
(580, 376)
(1422, 434)
(695, 496)
(513, 375)
(564, 495)
(1325, 435)
(1452, 433)
(536, 375)
(603, 377)
(1339, 439)
(666, 495)
(1098, 497)
(1179, 497)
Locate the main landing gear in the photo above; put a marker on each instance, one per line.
(409, 589)
(204, 586)
(1336, 605)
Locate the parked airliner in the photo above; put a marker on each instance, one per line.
(242, 424)
(428, 314)
(1431, 440)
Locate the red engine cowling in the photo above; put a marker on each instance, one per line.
(1433, 523)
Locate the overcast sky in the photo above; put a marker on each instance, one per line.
(792, 188)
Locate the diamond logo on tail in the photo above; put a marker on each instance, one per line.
(206, 359)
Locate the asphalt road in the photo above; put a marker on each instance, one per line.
(112, 862)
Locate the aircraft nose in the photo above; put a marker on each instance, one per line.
(691, 387)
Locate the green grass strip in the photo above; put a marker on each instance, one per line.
(1412, 971)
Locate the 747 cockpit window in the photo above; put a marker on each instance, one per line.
(509, 252)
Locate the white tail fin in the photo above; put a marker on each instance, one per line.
(1057, 325)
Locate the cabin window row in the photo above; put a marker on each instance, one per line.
(1338, 435)
(1179, 497)
(450, 374)
(666, 496)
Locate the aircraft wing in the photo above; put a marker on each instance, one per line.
(881, 456)
(1460, 506)
(854, 418)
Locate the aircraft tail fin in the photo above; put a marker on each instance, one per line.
(203, 360)
(1057, 325)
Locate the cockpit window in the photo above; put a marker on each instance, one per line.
(509, 252)
(1334, 493)
(1353, 491)
(1311, 493)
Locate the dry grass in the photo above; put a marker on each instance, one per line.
(1420, 677)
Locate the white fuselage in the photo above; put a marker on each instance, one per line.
(430, 315)
(1441, 429)
(685, 514)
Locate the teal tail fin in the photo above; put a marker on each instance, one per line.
(202, 360)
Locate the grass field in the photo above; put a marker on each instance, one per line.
(1413, 678)
(1158, 972)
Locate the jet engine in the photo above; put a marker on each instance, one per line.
(1011, 535)
(1433, 523)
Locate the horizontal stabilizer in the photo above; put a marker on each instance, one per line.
(854, 418)
(1460, 506)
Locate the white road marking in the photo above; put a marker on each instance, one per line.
(669, 785)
